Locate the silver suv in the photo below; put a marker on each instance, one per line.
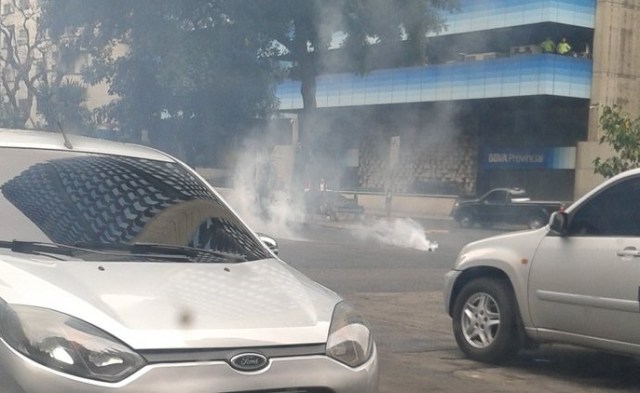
(573, 281)
(121, 270)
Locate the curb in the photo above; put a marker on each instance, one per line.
(436, 223)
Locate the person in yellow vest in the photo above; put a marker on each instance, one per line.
(563, 47)
(548, 46)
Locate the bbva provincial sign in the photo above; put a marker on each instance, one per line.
(537, 158)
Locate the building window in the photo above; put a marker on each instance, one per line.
(22, 37)
(9, 74)
(7, 9)
(23, 105)
(8, 39)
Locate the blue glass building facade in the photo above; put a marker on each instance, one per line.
(514, 98)
(540, 74)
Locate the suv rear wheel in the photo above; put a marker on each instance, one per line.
(484, 320)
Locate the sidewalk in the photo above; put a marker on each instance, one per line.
(433, 222)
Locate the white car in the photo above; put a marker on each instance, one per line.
(574, 281)
(122, 270)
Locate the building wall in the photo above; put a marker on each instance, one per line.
(615, 79)
(521, 102)
(484, 15)
(616, 75)
(516, 76)
(427, 162)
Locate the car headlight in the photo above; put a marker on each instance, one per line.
(66, 344)
(350, 340)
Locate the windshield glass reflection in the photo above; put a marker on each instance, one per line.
(75, 198)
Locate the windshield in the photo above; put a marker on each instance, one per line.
(72, 198)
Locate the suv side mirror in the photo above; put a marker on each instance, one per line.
(559, 222)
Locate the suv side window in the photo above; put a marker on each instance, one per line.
(613, 212)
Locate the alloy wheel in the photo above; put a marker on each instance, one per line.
(480, 320)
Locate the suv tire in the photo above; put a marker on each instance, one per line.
(484, 320)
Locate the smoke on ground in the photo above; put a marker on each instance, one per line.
(399, 232)
(271, 208)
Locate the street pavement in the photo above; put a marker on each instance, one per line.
(429, 222)
(418, 353)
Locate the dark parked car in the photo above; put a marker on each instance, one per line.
(333, 205)
(504, 206)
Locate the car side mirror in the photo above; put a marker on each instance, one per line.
(270, 242)
(559, 223)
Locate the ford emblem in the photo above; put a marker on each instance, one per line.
(249, 362)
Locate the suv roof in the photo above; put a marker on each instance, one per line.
(29, 139)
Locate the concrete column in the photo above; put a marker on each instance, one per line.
(615, 80)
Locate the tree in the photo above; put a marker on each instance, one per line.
(24, 52)
(622, 134)
(194, 71)
(32, 64)
(199, 68)
(369, 29)
(64, 105)
(307, 28)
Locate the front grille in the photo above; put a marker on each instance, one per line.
(208, 355)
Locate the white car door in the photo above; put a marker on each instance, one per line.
(587, 282)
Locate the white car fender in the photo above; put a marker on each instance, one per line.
(511, 254)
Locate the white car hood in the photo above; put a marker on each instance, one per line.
(157, 305)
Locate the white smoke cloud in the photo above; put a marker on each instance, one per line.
(399, 232)
(261, 194)
(260, 197)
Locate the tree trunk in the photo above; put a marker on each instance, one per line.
(306, 61)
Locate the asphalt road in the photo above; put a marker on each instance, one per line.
(399, 289)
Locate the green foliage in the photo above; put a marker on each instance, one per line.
(622, 133)
(188, 72)
(306, 29)
(390, 22)
(64, 106)
(9, 117)
(204, 71)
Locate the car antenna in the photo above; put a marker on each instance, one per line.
(67, 142)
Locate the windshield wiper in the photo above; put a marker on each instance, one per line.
(166, 250)
(37, 248)
(52, 249)
(145, 251)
